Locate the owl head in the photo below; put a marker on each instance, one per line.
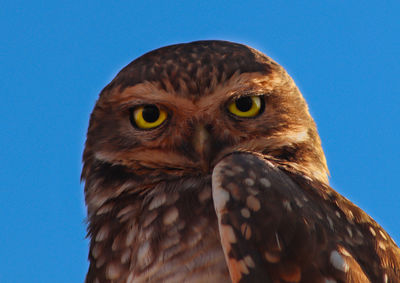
(179, 109)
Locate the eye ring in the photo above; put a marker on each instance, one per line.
(147, 117)
(247, 106)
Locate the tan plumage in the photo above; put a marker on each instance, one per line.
(210, 196)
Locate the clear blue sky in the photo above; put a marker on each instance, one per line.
(56, 56)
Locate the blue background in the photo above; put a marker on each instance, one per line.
(56, 56)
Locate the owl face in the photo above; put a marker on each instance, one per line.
(181, 108)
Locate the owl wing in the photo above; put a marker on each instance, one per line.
(274, 228)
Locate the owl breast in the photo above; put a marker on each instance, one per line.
(170, 235)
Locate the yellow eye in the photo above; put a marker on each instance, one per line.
(246, 106)
(148, 116)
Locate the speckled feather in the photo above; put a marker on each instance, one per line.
(209, 197)
(277, 226)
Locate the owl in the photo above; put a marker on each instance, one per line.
(203, 164)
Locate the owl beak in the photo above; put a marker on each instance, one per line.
(202, 145)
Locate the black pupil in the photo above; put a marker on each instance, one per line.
(150, 113)
(244, 104)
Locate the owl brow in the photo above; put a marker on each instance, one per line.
(248, 92)
(139, 102)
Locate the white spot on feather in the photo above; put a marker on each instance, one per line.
(252, 191)
(243, 267)
(245, 212)
(344, 252)
(248, 182)
(298, 202)
(221, 197)
(238, 169)
(130, 236)
(292, 137)
(349, 231)
(98, 200)
(385, 278)
(349, 216)
(105, 209)
(150, 218)
(253, 203)
(130, 278)
(246, 231)
(338, 261)
(157, 201)
(170, 216)
(265, 182)
(144, 255)
(228, 232)
(278, 242)
(381, 245)
(113, 271)
(287, 206)
(372, 231)
(249, 261)
(229, 172)
(383, 235)
(125, 210)
(96, 250)
(125, 256)
(102, 233)
(330, 222)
